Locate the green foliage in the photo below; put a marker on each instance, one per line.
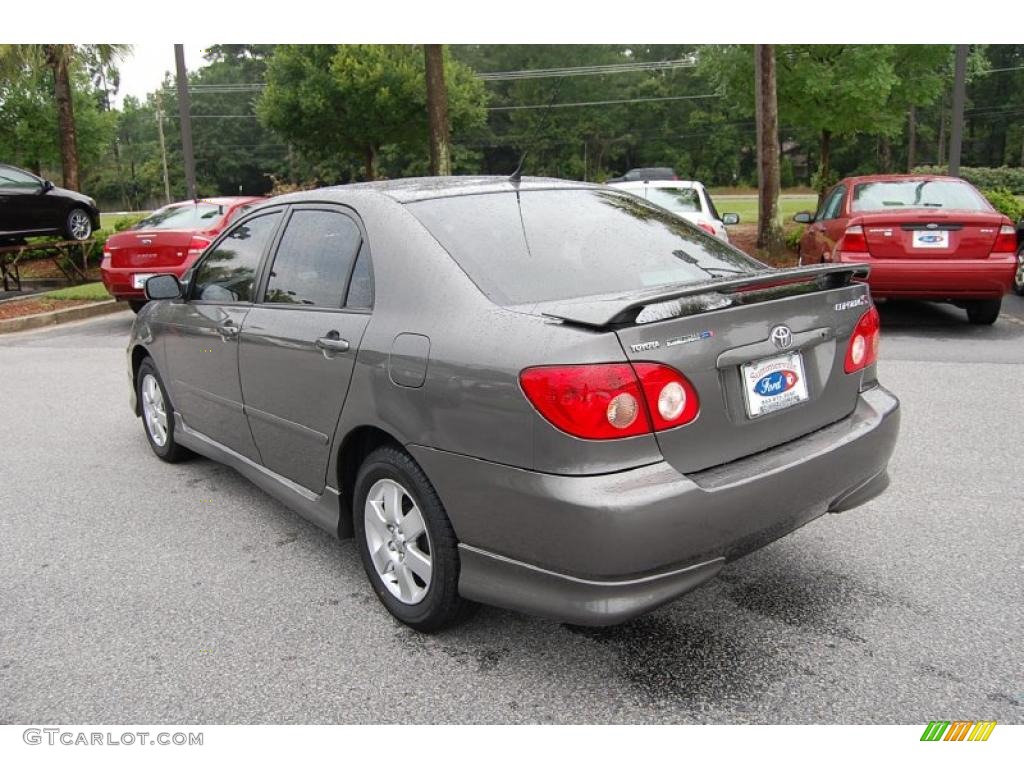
(1011, 179)
(792, 236)
(127, 222)
(339, 103)
(86, 292)
(1003, 200)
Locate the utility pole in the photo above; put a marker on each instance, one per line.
(769, 225)
(163, 145)
(185, 113)
(956, 131)
(437, 111)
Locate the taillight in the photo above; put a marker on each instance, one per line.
(706, 227)
(106, 254)
(198, 245)
(1006, 242)
(862, 349)
(610, 400)
(853, 240)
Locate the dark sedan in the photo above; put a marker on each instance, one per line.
(543, 395)
(31, 206)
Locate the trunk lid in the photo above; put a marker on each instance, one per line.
(729, 328)
(930, 234)
(150, 249)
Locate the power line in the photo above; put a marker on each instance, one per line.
(593, 69)
(603, 103)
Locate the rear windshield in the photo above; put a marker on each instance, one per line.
(916, 193)
(188, 216)
(684, 200)
(546, 245)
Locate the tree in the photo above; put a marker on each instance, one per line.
(769, 226)
(336, 102)
(437, 111)
(61, 59)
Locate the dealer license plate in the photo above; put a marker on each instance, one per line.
(139, 280)
(931, 239)
(774, 384)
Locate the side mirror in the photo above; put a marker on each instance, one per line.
(804, 217)
(730, 218)
(47, 186)
(162, 287)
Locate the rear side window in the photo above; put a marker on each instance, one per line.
(226, 273)
(545, 245)
(187, 216)
(314, 260)
(917, 193)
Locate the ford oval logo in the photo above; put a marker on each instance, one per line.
(776, 382)
(781, 337)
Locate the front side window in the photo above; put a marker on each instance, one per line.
(834, 204)
(314, 260)
(227, 272)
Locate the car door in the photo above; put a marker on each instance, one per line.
(818, 239)
(201, 339)
(20, 201)
(299, 342)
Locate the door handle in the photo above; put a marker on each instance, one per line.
(227, 330)
(332, 342)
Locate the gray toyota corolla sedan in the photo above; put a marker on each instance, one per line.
(549, 396)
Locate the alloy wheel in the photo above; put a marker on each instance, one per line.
(154, 410)
(398, 542)
(79, 225)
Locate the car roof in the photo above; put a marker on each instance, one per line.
(430, 187)
(660, 184)
(900, 177)
(222, 201)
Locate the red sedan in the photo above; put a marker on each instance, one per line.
(925, 237)
(168, 241)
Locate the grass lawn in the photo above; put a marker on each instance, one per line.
(86, 292)
(746, 206)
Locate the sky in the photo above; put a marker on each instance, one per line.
(143, 70)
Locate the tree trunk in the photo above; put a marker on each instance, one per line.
(824, 167)
(57, 59)
(941, 152)
(437, 112)
(769, 225)
(885, 153)
(371, 162)
(911, 138)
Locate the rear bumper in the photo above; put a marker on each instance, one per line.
(603, 549)
(118, 280)
(939, 279)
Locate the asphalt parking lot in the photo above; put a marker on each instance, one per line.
(133, 591)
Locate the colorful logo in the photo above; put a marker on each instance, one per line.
(958, 730)
(775, 383)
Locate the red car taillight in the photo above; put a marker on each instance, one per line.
(610, 400)
(198, 245)
(1006, 242)
(862, 349)
(853, 240)
(707, 228)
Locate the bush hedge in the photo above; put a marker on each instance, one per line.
(1004, 201)
(1005, 177)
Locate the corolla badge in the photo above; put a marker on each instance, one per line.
(781, 337)
(776, 382)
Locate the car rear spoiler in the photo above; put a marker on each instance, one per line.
(619, 309)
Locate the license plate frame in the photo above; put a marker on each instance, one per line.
(759, 378)
(930, 238)
(139, 279)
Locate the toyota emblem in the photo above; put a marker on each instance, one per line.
(781, 337)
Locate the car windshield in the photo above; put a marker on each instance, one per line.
(187, 216)
(675, 199)
(916, 193)
(547, 245)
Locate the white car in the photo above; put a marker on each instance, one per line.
(688, 199)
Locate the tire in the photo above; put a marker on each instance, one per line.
(78, 224)
(426, 604)
(161, 441)
(1018, 276)
(137, 304)
(983, 311)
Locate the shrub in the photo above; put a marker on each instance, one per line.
(792, 236)
(127, 222)
(1003, 201)
(1005, 177)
